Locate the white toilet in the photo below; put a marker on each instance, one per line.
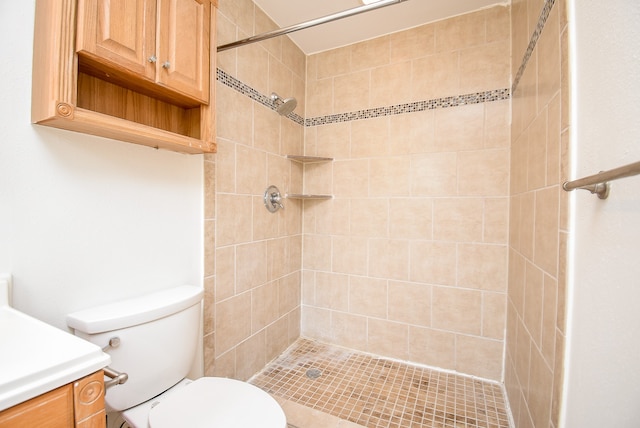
(154, 338)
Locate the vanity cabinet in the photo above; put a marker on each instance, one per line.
(148, 42)
(132, 70)
(78, 404)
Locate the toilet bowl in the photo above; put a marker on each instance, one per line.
(154, 338)
(209, 402)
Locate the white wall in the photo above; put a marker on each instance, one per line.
(85, 220)
(603, 382)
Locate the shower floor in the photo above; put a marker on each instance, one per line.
(375, 392)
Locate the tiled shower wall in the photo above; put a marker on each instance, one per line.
(539, 213)
(252, 257)
(409, 260)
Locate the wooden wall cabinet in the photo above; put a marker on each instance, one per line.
(131, 70)
(79, 404)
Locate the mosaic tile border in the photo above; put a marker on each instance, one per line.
(413, 107)
(230, 81)
(417, 106)
(542, 20)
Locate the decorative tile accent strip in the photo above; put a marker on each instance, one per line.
(460, 100)
(417, 106)
(230, 81)
(542, 20)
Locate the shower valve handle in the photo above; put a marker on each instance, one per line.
(272, 199)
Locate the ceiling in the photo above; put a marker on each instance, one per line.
(389, 19)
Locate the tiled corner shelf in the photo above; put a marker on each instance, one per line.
(301, 196)
(309, 159)
(306, 160)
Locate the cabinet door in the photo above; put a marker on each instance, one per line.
(183, 50)
(121, 33)
(53, 409)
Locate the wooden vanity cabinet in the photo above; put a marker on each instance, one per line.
(132, 70)
(79, 404)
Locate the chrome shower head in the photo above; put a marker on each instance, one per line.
(283, 107)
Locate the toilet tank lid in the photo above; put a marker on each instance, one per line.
(134, 311)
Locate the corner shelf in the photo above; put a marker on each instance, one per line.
(309, 159)
(300, 196)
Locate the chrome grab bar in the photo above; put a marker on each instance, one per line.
(598, 183)
(117, 378)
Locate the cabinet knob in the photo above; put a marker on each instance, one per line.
(152, 59)
(166, 64)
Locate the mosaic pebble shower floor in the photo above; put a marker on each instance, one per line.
(376, 392)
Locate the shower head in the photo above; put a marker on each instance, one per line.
(284, 107)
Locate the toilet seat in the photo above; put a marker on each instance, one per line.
(217, 402)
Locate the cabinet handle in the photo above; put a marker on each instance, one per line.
(152, 59)
(166, 64)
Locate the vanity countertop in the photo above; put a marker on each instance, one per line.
(36, 357)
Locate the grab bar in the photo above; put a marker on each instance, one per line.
(598, 183)
(117, 378)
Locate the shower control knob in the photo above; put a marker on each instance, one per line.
(272, 199)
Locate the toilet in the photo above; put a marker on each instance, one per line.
(154, 339)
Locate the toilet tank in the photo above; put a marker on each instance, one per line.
(158, 338)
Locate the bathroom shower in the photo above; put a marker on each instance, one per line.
(283, 106)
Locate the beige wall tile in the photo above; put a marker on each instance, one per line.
(250, 356)
(479, 356)
(351, 178)
(251, 265)
(369, 217)
(351, 91)
(433, 262)
(458, 219)
(386, 86)
(334, 62)
(370, 54)
(332, 291)
(483, 173)
(411, 218)
(483, 267)
(496, 220)
(461, 32)
(232, 323)
(264, 307)
(460, 128)
(314, 322)
(434, 174)
(350, 255)
(388, 338)
(389, 176)
(497, 124)
(412, 133)
(457, 310)
(389, 258)
(485, 68)
(225, 273)
(494, 312)
(234, 219)
(432, 347)
(413, 43)
(546, 229)
(370, 138)
(316, 252)
(276, 339)
(209, 247)
(368, 296)
(289, 294)
(410, 303)
(349, 330)
(435, 76)
(251, 170)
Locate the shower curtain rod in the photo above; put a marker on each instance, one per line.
(308, 24)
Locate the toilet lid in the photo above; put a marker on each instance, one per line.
(218, 402)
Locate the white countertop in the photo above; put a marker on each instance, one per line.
(36, 357)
